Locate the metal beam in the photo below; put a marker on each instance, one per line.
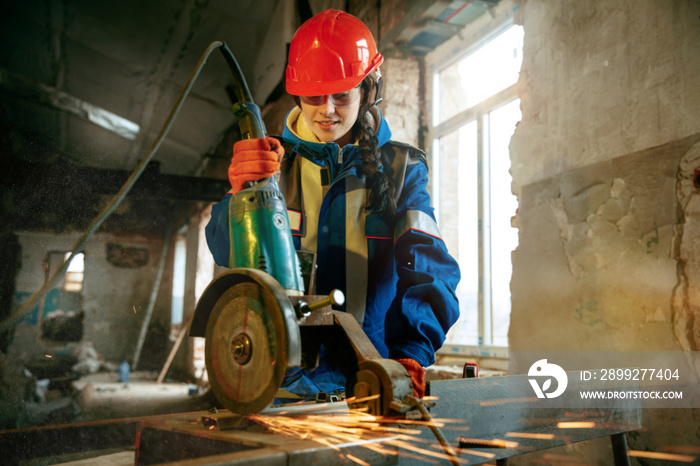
(415, 10)
(49, 96)
(66, 177)
(426, 25)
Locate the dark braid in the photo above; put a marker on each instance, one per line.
(381, 198)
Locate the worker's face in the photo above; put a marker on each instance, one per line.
(331, 116)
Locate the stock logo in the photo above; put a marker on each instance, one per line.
(544, 371)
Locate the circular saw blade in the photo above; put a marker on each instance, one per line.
(246, 347)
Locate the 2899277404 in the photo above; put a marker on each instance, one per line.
(631, 374)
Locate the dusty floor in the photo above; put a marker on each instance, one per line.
(101, 396)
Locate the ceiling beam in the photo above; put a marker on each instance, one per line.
(427, 24)
(68, 178)
(42, 94)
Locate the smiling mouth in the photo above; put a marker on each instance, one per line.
(327, 124)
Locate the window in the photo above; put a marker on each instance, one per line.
(66, 294)
(73, 280)
(474, 113)
(193, 271)
(179, 263)
(204, 275)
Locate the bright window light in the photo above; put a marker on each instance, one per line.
(73, 280)
(481, 74)
(475, 112)
(178, 298)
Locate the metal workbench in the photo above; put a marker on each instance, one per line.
(490, 425)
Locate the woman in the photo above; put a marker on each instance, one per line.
(356, 199)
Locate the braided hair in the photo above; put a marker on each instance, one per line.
(382, 190)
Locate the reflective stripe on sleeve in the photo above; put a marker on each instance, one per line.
(419, 221)
(355, 248)
(311, 198)
(294, 221)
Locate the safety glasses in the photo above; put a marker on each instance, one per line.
(339, 100)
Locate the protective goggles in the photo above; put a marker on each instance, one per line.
(339, 100)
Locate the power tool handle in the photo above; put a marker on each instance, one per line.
(250, 120)
(251, 124)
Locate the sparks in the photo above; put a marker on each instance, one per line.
(357, 460)
(483, 454)
(662, 456)
(575, 425)
(530, 435)
(423, 451)
(344, 428)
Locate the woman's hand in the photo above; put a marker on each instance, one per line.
(417, 374)
(254, 160)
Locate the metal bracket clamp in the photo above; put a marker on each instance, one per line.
(373, 382)
(381, 383)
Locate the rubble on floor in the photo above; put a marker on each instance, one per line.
(73, 383)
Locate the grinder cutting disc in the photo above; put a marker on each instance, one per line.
(247, 343)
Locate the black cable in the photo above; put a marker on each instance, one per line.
(239, 84)
(118, 198)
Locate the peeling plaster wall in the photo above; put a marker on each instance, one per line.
(115, 299)
(603, 164)
(599, 196)
(596, 256)
(686, 299)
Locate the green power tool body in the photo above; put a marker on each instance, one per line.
(260, 234)
(258, 223)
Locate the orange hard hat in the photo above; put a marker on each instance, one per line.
(330, 53)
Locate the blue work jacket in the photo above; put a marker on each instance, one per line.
(397, 275)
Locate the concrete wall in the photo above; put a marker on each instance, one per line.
(114, 297)
(603, 79)
(603, 164)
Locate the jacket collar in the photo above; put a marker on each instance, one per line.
(296, 130)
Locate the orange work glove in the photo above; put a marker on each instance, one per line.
(253, 160)
(417, 374)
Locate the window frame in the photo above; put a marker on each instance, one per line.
(486, 29)
(74, 280)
